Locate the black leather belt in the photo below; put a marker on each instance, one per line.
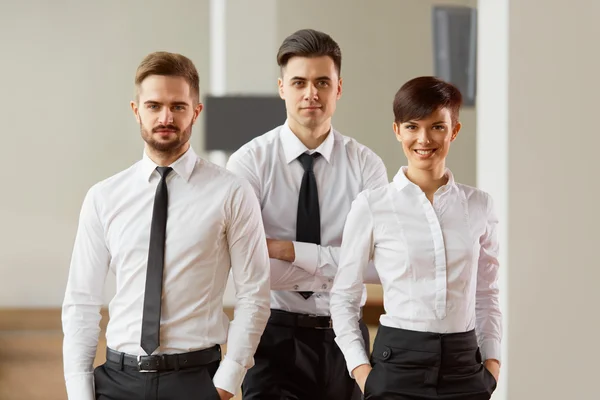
(279, 317)
(165, 362)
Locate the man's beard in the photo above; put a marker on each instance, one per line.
(171, 146)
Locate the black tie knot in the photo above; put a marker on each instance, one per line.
(164, 171)
(308, 160)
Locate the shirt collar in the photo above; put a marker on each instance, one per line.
(183, 166)
(293, 147)
(401, 181)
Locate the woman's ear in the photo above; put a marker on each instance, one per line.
(396, 128)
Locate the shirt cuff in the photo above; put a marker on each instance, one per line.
(229, 376)
(354, 357)
(307, 256)
(80, 387)
(491, 349)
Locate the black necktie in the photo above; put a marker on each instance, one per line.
(308, 221)
(156, 259)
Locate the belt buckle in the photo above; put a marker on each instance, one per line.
(140, 361)
(330, 326)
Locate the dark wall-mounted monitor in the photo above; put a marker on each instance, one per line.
(232, 121)
(455, 48)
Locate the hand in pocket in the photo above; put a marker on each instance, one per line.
(225, 395)
(361, 373)
(494, 367)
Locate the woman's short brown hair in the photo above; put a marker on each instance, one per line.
(420, 97)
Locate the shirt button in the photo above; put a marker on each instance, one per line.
(296, 287)
(324, 286)
(385, 353)
(330, 280)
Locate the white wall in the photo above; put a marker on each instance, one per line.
(547, 149)
(553, 199)
(492, 144)
(70, 71)
(251, 47)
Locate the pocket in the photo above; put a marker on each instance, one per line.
(100, 375)
(210, 384)
(410, 359)
(491, 379)
(370, 377)
(217, 396)
(196, 380)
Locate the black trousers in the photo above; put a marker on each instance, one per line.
(409, 365)
(114, 382)
(294, 363)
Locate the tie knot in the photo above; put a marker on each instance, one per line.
(164, 171)
(308, 160)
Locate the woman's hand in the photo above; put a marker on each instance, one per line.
(494, 367)
(360, 374)
(225, 395)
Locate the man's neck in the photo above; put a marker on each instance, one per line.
(310, 137)
(164, 159)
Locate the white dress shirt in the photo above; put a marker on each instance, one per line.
(213, 225)
(345, 168)
(437, 264)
